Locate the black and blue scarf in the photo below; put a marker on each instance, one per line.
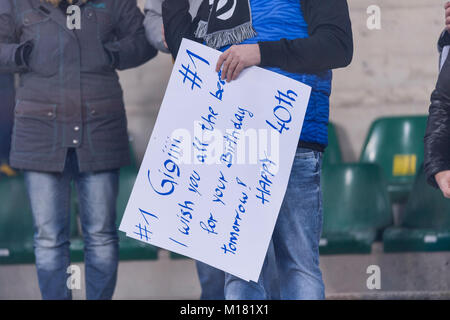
(64, 4)
(225, 22)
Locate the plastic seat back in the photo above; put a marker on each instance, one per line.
(355, 198)
(396, 144)
(332, 153)
(427, 208)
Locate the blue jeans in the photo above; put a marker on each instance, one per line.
(212, 280)
(6, 114)
(49, 194)
(295, 239)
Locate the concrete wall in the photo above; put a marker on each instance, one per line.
(393, 72)
(394, 69)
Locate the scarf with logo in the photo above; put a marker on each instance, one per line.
(225, 22)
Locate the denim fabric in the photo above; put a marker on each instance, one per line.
(295, 239)
(212, 280)
(49, 194)
(7, 114)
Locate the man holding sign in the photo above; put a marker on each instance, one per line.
(303, 40)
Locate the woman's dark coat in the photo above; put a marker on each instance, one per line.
(69, 94)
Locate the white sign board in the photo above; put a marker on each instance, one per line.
(217, 164)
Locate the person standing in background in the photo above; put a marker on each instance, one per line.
(303, 40)
(70, 126)
(437, 136)
(7, 96)
(153, 22)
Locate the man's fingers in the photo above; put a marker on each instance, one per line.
(223, 57)
(238, 70)
(226, 66)
(444, 188)
(232, 68)
(446, 191)
(447, 5)
(236, 59)
(443, 180)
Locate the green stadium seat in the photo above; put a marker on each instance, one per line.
(176, 256)
(396, 144)
(332, 154)
(425, 225)
(355, 207)
(16, 222)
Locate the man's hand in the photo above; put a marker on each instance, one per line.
(447, 15)
(236, 59)
(443, 180)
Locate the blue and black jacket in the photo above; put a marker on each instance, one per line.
(301, 39)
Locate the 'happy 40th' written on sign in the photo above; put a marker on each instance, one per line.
(217, 164)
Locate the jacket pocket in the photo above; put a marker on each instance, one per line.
(107, 126)
(308, 163)
(34, 127)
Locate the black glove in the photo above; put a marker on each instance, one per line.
(23, 53)
(113, 58)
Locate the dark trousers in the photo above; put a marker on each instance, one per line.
(7, 96)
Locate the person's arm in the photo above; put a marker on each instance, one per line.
(437, 141)
(153, 24)
(131, 48)
(178, 24)
(329, 45)
(437, 136)
(13, 55)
